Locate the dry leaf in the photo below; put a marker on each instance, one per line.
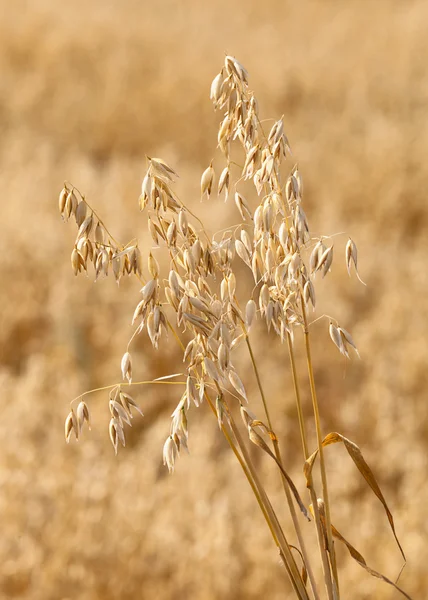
(259, 441)
(360, 560)
(355, 453)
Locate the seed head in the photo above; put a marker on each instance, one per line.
(207, 181)
(170, 453)
(153, 266)
(126, 366)
(83, 415)
(71, 426)
(223, 183)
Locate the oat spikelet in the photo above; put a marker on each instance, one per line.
(170, 452)
(341, 338)
(207, 181)
(351, 255)
(126, 367)
(325, 261)
(71, 426)
(83, 416)
(250, 313)
(235, 380)
(216, 87)
(223, 183)
(337, 339)
(347, 338)
(129, 403)
(62, 200)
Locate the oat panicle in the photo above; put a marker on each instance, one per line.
(194, 295)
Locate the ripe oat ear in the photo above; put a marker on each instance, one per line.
(126, 366)
(205, 295)
(359, 461)
(170, 452)
(351, 255)
(207, 181)
(325, 261)
(71, 426)
(242, 206)
(83, 416)
(347, 338)
(223, 182)
(235, 380)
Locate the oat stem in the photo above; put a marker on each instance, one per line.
(272, 515)
(258, 495)
(193, 215)
(110, 387)
(175, 334)
(96, 215)
(298, 399)
(312, 492)
(245, 469)
(320, 447)
(284, 482)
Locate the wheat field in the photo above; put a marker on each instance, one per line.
(87, 90)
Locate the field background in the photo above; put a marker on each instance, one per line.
(87, 89)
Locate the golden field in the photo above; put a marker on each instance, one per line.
(87, 90)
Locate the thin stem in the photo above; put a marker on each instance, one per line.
(245, 469)
(281, 537)
(284, 482)
(325, 562)
(320, 446)
(95, 214)
(298, 399)
(109, 387)
(312, 492)
(192, 214)
(259, 383)
(175, 334)
(165, 236)
(134, 335)
(256, 493)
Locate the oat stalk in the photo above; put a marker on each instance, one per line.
(197, 299)
(305, 556)
(315, 406)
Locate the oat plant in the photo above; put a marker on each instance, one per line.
(199, 303)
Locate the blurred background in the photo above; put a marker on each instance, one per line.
(87, 89)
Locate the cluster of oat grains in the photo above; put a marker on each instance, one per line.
(198, 302)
